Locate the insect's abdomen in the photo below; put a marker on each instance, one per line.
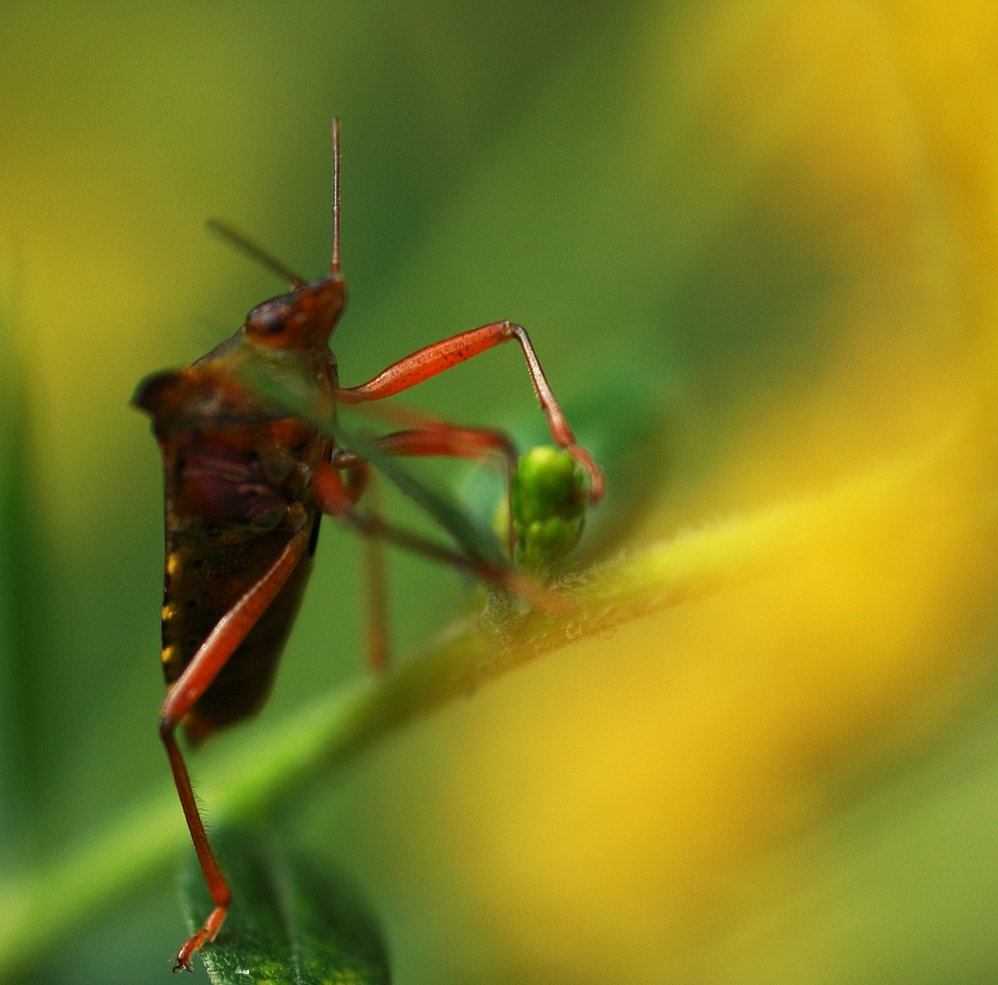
(203, 582)
(231, 512)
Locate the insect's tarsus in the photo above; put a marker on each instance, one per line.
(254, 251)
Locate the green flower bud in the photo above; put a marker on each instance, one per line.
(548, 507)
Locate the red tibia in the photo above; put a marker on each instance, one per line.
(428, 362)
(434, 359)
(230, 631)
(436, 439)
(447, 440)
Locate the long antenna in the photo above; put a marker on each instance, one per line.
(334, 266)
(254, 251)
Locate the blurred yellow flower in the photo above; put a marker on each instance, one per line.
(640, 800)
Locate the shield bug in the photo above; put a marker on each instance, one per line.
(246, 482)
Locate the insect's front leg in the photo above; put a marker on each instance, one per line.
(434, 359)
(197, 677)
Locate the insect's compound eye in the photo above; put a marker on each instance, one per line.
(269, 322)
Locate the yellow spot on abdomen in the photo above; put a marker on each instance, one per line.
(169, 653)
(173, 565)
(169, 611)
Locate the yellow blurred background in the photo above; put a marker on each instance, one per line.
(781, 216)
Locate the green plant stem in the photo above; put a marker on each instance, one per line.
(262, 765)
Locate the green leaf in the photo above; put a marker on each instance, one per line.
(291, 921)
(24, 594)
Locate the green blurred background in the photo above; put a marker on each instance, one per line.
(776, 218)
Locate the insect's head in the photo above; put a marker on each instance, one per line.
(301, 319)
(304, 318)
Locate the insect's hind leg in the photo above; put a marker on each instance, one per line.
(217, 885)
(359, 480)
(185, 693)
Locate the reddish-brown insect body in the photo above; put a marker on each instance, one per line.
(245, 485)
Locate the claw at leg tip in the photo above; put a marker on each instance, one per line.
(183, 960)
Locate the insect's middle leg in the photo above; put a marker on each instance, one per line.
(432, 438)
(440, 439)
(333, 498)
(185, 693)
